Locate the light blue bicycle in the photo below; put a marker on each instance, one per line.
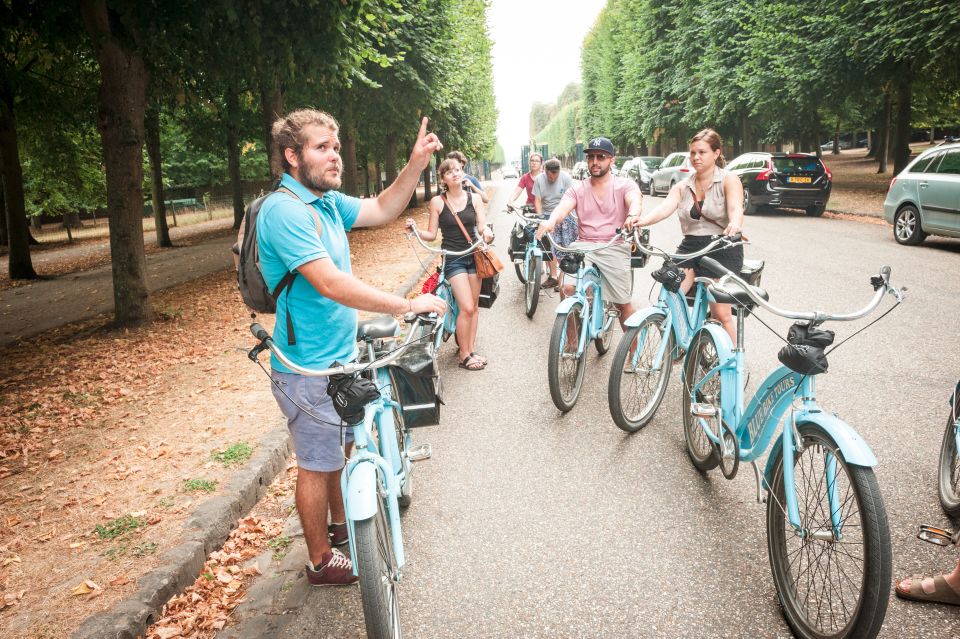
(377, 478)
(581, 318)
(828, 538)
(949, 475)
(656, 336)
(528, 256)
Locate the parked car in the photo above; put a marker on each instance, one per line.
(579, 171)
(644, 167)
(674, 168)
(843, 144)
(924, 199)
(783, 180)
(508, 172)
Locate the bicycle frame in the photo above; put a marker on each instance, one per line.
(588, 282)
(445, 292)
(755, 427)
(683, 320)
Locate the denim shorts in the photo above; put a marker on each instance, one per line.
(457, 265)
(316, 443)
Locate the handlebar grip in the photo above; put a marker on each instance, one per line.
(714, 265)
(259, 332)
(885, 273)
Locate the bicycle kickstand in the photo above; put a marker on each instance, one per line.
(938, 536)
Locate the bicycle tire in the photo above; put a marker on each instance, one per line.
(518, 267)
(532, 286)
(948, 484)
(376, 565)
(640, 381)
(846, 559)
(565, 395)
(405, 497)
(602, 341)
(700, 450)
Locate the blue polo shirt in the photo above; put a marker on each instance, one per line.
(287, 238)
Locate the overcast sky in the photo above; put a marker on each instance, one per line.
(536, 52)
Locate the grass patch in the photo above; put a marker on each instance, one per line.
(144, 549)
(119, 526)
(236, 454)
(166, 502)
(204, 485)
(280, 546)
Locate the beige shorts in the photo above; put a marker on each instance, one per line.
(616, 276)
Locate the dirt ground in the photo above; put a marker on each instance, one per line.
(109, 439)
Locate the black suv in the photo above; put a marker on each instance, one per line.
(783, 180)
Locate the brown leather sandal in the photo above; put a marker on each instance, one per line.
(942, 591)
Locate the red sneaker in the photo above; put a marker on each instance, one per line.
(335, 569)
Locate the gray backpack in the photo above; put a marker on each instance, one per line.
(253, 288)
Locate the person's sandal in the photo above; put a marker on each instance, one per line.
(471, 363)
(483, 360)
(550, 283)
(942, 593)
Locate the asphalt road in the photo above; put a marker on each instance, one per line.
(530, 523)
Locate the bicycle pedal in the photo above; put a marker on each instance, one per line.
(703, 410)
(420, 453)
(938, 536)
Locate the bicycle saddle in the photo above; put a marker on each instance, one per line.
(383, 326)
(738, 297)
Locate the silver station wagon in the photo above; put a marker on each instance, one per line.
(925, 198)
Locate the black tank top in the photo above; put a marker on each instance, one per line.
(452, 237)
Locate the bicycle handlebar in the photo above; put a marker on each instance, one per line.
(266, 342)
(473, 247)
(535, 219)
(716, 241)
(619, 235)
(881, 283)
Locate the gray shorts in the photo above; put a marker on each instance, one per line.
(316, 443)
(616, 276)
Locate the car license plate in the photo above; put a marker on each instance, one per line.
(800, 180)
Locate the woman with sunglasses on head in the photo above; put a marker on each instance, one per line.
(527, 180)
(709, 202)
(453, 204)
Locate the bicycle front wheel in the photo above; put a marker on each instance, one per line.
(638, 380)
(701, 357)
(602, 341)
(564, 368)
(532, 285)
(833, 575)
(377, 567)
(949, 484)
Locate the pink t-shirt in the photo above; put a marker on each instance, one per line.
(599, 219)
(526, 182)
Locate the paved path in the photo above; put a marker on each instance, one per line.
(45, 304)
(529, 523)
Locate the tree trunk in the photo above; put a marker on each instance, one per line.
(271, 107)
(746, 144)
(836, 138)
(778, 145)
(427, 193)
(120, 117)
(18, 233)
(883, 141)
(348, 151)
(390, 158)
(871, 144)
(233, 153)
(152, 137)
(4, 237)
(378, 182)
(901, 143)
(933, 134)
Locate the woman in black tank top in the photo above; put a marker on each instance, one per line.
(453, 204)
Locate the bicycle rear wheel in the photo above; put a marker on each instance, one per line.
(949, 476)
(829, 585)
(602, 341)
(564, 368)
(701, 357)
(518, 267)
(532, 285)
(377, 567)
(637, 384)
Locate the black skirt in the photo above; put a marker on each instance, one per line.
(730, 257)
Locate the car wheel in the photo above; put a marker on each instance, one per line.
(748, 207)
(906, 226)
(816, 210)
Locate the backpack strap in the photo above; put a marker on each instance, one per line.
(286, 283)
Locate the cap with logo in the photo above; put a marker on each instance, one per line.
(601, 144)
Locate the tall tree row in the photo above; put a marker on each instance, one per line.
(107, 103)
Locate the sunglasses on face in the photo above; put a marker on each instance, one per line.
(596, 157)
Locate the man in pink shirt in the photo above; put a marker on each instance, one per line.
(603, 204)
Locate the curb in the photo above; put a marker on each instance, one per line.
(206, 529)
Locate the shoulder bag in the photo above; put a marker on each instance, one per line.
(488, 264)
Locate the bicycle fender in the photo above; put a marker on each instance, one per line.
(567, 304)
(360, 497)
(854, 449)
(639, 316)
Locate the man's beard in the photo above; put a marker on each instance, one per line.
(317, 181)
(601, 173)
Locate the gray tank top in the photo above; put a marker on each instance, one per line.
(713, 211)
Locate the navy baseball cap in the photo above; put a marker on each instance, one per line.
(601, 144)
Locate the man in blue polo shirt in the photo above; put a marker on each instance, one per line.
(303, 228)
